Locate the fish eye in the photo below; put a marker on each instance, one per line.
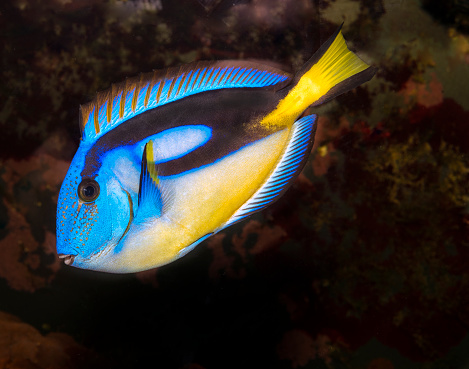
(88, 190)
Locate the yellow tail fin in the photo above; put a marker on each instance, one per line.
(332, 70)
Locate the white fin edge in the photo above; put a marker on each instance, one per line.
(291, 163)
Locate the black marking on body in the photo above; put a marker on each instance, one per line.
(232, 115)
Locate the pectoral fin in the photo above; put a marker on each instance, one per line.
(150, 200)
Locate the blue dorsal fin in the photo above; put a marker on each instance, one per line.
(150, 200)
(127, 99)
(289, 166)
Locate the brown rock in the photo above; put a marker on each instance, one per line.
(24, 347)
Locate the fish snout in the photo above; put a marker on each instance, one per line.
(68, 259)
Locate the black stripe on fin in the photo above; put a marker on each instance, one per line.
(317, 55)
(290, 165)
(347, 85)
(342, 69)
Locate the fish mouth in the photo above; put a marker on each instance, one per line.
(68, 259)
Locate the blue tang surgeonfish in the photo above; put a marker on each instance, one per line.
(171, 157)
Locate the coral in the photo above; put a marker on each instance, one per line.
(426, 95)
(299, 348)
(342, 10)
(254, 239)
(18, 255)
(28, 257)
(22, 346)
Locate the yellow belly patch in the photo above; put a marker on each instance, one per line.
(202, 201)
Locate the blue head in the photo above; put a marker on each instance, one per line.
(93, 213)
(99, 200)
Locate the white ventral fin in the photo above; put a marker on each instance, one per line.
(284, 174)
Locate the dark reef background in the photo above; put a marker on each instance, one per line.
(362, 264)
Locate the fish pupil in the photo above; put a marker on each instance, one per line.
(88, 190)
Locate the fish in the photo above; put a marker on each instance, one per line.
(171, 157)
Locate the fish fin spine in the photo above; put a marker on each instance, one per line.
(160, 88)
(171, 86)
(95, 120)
(150, 201)
(147, 96)
(181, 83)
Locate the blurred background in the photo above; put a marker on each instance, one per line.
(362, 264)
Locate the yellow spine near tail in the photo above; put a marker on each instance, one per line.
(337, 65)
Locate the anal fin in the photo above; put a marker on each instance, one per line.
(284, 174)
